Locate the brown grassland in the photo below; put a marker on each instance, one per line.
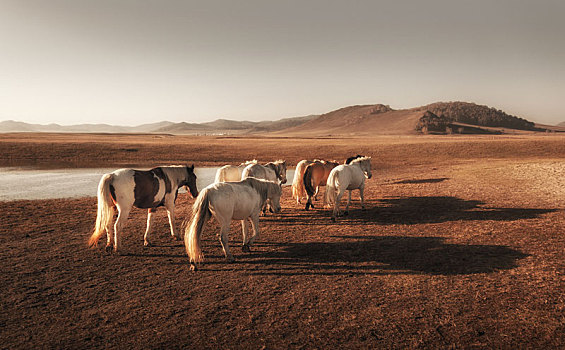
(462, 245)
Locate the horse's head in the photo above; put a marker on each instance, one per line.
(282, 171)
(366, 167)
(190, 181)
(280, 166)
(274, 193)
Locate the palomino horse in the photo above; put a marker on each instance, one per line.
(272, 171)
(347, 177)
(298, 190)
(150, 189)
(232, 172)
(316, 175)
(229, 201)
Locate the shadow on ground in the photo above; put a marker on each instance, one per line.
(416, 210)
(421, 181)
(361, 255)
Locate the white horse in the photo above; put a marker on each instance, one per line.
(272, 171)
(150, 189)
(232, 172)
(347, 177)
(229, 201)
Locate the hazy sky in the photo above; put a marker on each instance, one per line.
(134, 62)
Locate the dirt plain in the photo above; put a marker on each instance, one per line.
(461, 246)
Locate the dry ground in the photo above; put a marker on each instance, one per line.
(461, 246)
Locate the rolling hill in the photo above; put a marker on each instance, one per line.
(440, 117)
(377, 119)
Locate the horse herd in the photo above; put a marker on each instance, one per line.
(243, 192)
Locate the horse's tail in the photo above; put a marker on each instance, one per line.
(105, 209)
(297, 182)
(200, 214)
(307, 179)
(331, 193)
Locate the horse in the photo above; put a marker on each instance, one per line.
(350, 159)
(298, 190)
(149, 189)
(347, 177)
(316, 175)
(232, 172)
(229, 201)
(272, 171)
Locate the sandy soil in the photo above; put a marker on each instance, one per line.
(461, 246)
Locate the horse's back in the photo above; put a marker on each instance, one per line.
(346, 176)
(234, 199)
(258, 171)
(228, 173)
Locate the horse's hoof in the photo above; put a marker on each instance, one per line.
(346, 213)
(108, 249)
(230, 260)
(176, 238)
(193, 267)
(147, 244)
(245, 248)
(333, 219)
(306, 207)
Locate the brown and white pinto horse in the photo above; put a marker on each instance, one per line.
(150, 189)
(316, 175)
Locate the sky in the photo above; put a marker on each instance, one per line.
(131, 62)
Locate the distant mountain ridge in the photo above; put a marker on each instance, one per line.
(214, 127)
(376, 119)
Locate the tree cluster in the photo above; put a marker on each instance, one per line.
(470, 113)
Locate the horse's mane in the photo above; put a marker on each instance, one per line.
(359, 160)
(350, 159)
(177, 172)
(247, 162)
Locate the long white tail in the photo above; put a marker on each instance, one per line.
(331, 194)
(297, 182)
(105, 209)
(200, 214)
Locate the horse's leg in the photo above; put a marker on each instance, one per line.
(245, 232)
(150, 212)
(316, 194)
(362, 195)
(348, 202)
(224, 231)
(123, 213)
(308, 202)
(336, 212)
(255, 226)
(109, 234)
(170, 206)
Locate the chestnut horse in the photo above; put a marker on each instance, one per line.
(316, 175)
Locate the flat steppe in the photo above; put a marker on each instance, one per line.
(462, 245)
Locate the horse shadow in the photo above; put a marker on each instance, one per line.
(421, 181)
(436, 209)
(384, 255)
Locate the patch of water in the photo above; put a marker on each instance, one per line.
(18, 183)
